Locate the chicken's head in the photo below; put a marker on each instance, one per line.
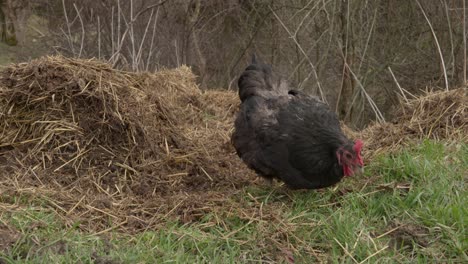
(349, 157)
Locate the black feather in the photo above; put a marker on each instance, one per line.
(285, 134)
(259, 79)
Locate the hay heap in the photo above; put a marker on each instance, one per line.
(114, 149)
(434, 115)
(98, 142)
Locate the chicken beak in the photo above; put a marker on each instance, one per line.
(359, 170)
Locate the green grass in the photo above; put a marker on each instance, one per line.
(419, 193)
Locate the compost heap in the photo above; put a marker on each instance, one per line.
(98, 143)
(112, 149)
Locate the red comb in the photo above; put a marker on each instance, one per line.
(357, 148)
(358, 145)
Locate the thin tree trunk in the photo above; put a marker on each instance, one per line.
(348, 83)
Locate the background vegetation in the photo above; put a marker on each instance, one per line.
(345, 51)
(60, 203)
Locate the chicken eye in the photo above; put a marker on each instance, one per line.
(349, 156)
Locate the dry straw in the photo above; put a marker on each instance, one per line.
(127, 151)
(100, 144)
(438, 115)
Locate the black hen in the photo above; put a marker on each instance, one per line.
(287, 135)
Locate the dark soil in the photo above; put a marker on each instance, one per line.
(8, 237)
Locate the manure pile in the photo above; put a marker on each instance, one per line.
(100, 144)
(114, 149)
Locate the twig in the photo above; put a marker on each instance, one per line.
(132, 36)
(76, 205)
(112, 31)
(206, 173)
(68, 162)
(368, 41)
(150, 52)
(346, 251)
(99, 37)
(375, 253)
(237, 230)
(305, 16)
(437, 44)
(303, 53)
(82, 30)
(452, 48)
(374, 107)
(390, 231)
(70, 42)
(398, 85)
(142, 41)
(464, 42)
(173, 209)
(110, 228)
(129, 26)
(176, 53)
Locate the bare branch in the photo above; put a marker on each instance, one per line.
(99, 37)
(398, 85)
(378, 114)
(70, 42)
(150, 52)
(303, 53)
(437, 44)
(464, 43)
(82, 30)
(142, 41)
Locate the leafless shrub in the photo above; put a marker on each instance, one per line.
(339, 50)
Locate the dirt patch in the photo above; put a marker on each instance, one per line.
(100, 144)
(407, 236)
(8, 237)
(96, 258)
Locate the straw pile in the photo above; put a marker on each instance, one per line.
(99, 143)
(439, 115)
(113, 149)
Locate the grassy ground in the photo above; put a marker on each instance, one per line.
(410, 208)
